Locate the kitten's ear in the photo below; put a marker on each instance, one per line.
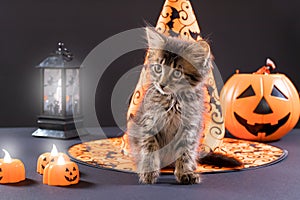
(200, 53)
(155, 39)
(207, 56)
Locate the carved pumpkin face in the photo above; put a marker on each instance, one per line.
(71, 174)
(44, 161)
(261, 107)
(1, 175)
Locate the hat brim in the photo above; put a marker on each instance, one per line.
(108, 154)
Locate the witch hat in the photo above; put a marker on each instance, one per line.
(177, 19)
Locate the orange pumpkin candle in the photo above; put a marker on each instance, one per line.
(11, 170)
(61, 173)
(47, 157)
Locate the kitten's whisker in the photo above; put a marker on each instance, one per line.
(159, 89)
(173, 102)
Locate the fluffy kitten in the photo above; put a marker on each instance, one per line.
(167, 126)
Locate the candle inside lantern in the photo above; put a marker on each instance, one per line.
(11, 170)
(61, 173)
(47, 157)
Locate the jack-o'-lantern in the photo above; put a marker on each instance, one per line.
(11, 170)
(47, 158)
(260, 106)
(61, 173)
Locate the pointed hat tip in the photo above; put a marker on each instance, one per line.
(177, 19)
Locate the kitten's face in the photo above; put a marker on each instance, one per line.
(170, 73)
(176, 64)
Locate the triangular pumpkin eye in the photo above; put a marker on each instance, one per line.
(277, 93)
(247, 93)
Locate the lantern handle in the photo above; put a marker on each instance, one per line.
(62, 50)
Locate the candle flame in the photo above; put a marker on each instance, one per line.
(61, 160)
(7, 158)
(54, 151)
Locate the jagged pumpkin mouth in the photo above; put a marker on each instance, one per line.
(71, 179)
(1, 178)
(267, 128)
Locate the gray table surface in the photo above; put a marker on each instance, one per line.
(279, 181)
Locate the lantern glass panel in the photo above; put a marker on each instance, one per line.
(72, 92)
(52, 92)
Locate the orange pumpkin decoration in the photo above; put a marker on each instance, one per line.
(11, 170)
(46, 158)
(61, 173)
(260, 106)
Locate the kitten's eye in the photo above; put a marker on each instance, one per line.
(157, 68)
(177, 73)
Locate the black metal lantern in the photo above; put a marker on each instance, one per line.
(61, 95)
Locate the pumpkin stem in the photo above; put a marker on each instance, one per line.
(270, 65)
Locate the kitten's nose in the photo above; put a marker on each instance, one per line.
(162, 86)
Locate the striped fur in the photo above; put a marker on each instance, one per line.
(166, 128)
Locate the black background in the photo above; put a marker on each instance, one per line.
(242, 35)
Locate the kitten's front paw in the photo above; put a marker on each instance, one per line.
(189, 178)
(149, 177)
